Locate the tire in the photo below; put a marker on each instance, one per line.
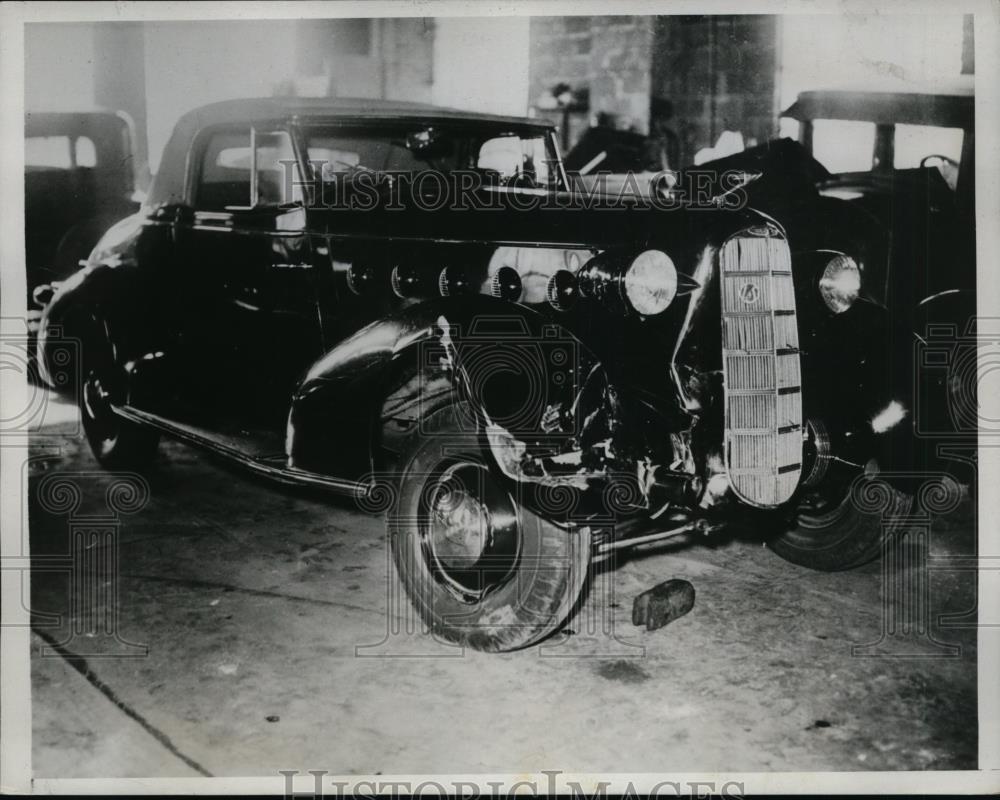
(116, 443)
(493, 581)
(844, 534)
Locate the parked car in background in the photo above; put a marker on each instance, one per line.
(905, 161)
(79, 180)
(521, 381)
(888, 178)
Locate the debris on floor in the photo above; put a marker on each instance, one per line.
(662, 604)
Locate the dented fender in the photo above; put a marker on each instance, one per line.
(526, 377)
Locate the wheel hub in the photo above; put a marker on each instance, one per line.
(470, 531)
(460, 528)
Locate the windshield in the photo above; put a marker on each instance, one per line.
(525, 159)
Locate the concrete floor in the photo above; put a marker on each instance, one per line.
(253, 601)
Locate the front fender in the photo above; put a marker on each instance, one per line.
(108, 287)
(858, 384)
(65, 321)
(508, 361)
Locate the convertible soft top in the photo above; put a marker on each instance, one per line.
(168, 186)
(281, 107)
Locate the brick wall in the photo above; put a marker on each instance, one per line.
(610, 55)
(719, 74)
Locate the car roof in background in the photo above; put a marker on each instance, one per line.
(50, 123)
(322, 107)
(947, 104)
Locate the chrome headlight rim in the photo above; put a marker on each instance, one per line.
(839, 284)
(648, 284)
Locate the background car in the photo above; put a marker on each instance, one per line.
(888, 178)
(79, 180)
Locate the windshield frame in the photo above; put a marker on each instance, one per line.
(379, 126)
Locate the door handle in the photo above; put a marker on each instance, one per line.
(241, 290)
(297, 265)
(245, 297)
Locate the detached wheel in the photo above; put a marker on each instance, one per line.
(480, 569)
(845, 530)
(116, 443)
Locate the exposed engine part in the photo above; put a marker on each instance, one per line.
(717, 486)
(665, 487)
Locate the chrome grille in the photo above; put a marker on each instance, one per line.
(763, 437)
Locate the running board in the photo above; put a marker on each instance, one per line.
(265, 467)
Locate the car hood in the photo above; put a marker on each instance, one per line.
(531, 217)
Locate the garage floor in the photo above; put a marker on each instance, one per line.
(254, 600)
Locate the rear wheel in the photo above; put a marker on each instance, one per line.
(481, 569)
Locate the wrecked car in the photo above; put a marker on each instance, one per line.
(522, 380)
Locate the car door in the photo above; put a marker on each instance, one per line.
(252, 323)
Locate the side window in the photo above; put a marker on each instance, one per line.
(226, 169)
(279, 182)
(915, 142)
(86, 153)
(48, 151)
(59, 152)
(844, 145)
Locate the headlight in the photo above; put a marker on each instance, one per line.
(840, 284)
(650, 282)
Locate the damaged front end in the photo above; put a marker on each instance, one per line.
(642, 426)
(583, 451)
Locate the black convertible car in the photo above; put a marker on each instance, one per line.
(408, 305)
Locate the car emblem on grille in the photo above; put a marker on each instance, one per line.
(749, 293)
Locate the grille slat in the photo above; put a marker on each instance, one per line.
(761, 367)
